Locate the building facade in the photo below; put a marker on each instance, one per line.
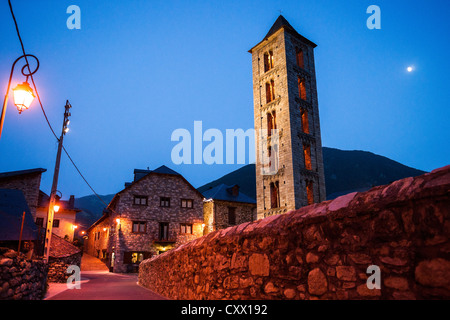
(158, 211)
(289, 169)
(225, 206)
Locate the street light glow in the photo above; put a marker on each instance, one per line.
(23, 96)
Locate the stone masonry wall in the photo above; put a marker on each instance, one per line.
(21, 279)
(58, 267)
(322, 251)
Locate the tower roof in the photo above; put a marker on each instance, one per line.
(281, 22)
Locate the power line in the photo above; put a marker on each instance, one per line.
(42, 107)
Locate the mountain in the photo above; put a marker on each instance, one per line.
(345, 172)
(92, 209)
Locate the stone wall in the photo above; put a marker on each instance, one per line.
(322, 251)
(57, 271)
(21, 279)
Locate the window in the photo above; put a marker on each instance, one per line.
(268, 61)
(163, 231)
(56, 223)
(299, 58)
(310, 192)
(305, 122)
(140, 200)
(307, 155)
(270, 91)
(302, 88)
(231, 215)
(130, 257)
(164, 202)
(274, 195)
(187, 203)
(40, 222)
(139, 227)
(186, 228)
(271, 123)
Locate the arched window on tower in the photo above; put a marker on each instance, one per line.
(309, 192)
(274, 195)
(270, 91)
(307, 156)
(268, 61)
(299, 57)
(271, 123)
(302, 88)
(305, 121)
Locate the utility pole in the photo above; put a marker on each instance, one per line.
(51, 210)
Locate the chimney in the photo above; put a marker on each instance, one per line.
(72, 202)
(235, 190)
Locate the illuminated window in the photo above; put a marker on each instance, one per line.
(186, 228)
(274, 195)
(187, 203)
(299, 57)
(302, 88)
(139, 227)
(268, 61)
(164, 202)
(307, 155)
(305, 122)
(310, 192)
(271, 123)
(270, 91)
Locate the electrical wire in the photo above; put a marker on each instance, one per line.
(42, 107)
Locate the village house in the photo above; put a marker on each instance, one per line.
(29, 181)
(158, 211)
(225, 206)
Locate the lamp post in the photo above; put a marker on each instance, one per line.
(23, 94)
(52, 202)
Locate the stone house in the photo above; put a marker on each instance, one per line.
(158, 211)
(29, 181)
(225, 206)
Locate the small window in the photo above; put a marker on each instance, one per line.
(299, 57)
(187, 203)
(231, 215)
(164, 202)
(305, 122)
(309, 192)
(307, 156)
(270, 91)
(163, 231)
(268, 61)
(56, 223)
(186, 228)
(275, 195)
(302, 89)
(139, 227)
(140, 200)
(40, 222)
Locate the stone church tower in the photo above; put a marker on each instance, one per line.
(289, 169)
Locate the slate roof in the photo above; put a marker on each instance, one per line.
(12, 206)
(139, 173)
(21, 172)
(224, 192)
(60, 248)
(281, 22)
(44, 200)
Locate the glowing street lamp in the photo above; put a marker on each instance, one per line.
(56, 208)
(23, 94)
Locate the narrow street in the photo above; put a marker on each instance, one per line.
(97, 283)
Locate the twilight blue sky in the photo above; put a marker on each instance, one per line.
(138, 70)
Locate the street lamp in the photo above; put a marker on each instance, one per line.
(23, 94)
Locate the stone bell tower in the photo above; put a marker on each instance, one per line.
(289, 169)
